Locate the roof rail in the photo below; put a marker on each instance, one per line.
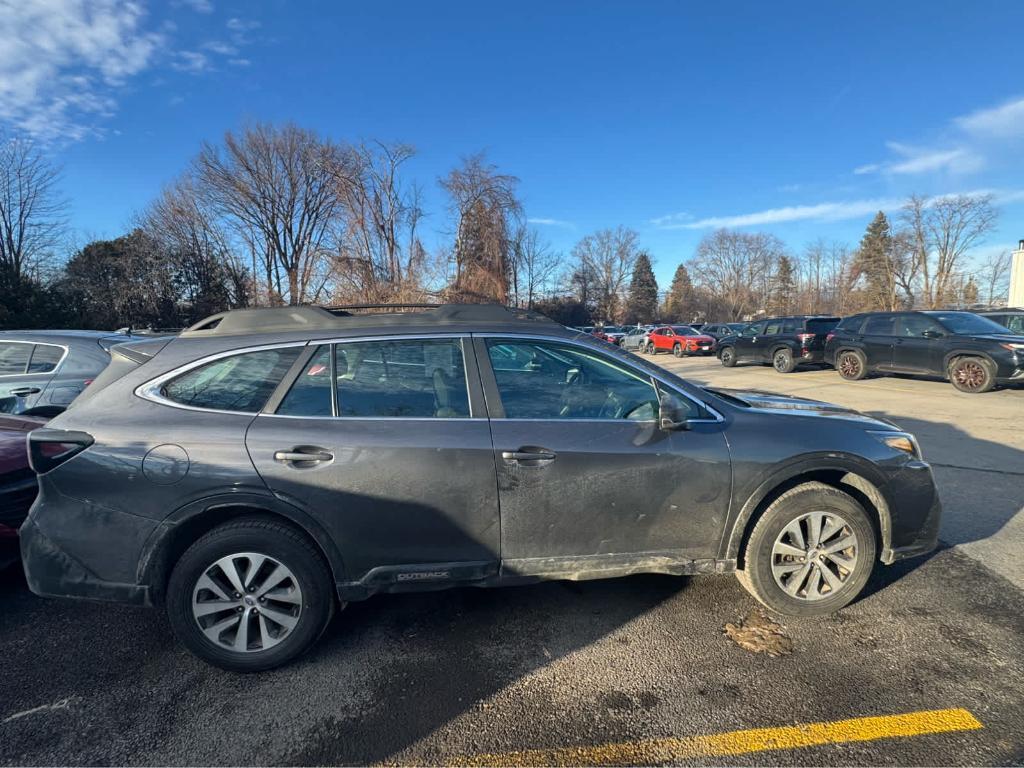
(298, 318)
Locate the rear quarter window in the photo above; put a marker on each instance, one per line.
(822, 324)
(241, 383)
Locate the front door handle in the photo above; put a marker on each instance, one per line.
(26, 391)
(298, 455)
(528, 455)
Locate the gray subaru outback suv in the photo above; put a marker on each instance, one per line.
(266, 466)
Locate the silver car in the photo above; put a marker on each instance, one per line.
(636, 337)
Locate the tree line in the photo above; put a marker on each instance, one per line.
(276, 214)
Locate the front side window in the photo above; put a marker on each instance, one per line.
(967, 323)
(241, 382)
(45, 358)
(548, 380)
(753, 330)
(13, 357)
(915, 325)
(402, 378)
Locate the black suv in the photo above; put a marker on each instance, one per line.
(972, 352)
(782, 342)
(266, 466)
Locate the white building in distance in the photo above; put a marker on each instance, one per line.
(1016, 298)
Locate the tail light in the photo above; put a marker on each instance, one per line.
(829, 336)
(49, 448)
(805, 338)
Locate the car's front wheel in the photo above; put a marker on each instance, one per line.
(810, 553)
(852, 365)
(972, 374)
(677, 349)
(727, 356)
(651, 349)
(250, 595)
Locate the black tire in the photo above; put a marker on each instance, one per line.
(262, 536)
(677, 349)
(728, 357)
(651, 349)
(782, 360)
(757, 574)
(973, 375)
(852, 365)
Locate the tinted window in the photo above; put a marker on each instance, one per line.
(13, 357)
(545, 380)
(879, 325)
(238, 383)
(967, 322)
(45, 358)
(404, 378)
(915, 325)
(774, 327)
(310, 394)
(684, 330)
(851, 324)
(1015, 323)
(756, 329)
(791, 325)
(821, 324)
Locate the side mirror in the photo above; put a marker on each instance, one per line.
(673, 414)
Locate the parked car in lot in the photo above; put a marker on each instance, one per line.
(1010, 318)
(719, 330)
(18, 483)
(611, 333)
(636, 337)
(680, 340)
(44, 371)
(974, 353)
(782, 342)
(238, 475)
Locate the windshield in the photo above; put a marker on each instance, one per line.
(967, 322)
(612, 329)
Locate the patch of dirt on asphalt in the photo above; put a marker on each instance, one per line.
(759, 634)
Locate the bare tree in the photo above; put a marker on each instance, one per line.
(607, 258)
(380, 257)
(994, 276)
(940, 231)
(278, 186)
(534, 266)
(486, 210)
(737, 267)
(32, 212)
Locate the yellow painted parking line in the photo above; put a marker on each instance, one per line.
(741, 742)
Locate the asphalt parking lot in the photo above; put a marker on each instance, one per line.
(636, 670)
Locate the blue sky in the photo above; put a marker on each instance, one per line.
(796, 118)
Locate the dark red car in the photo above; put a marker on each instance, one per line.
(18, 484)
(680, 340)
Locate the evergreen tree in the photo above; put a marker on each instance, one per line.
(971, 292)
(642, 304)
(783, 287)
(679, 306)
(875, 263)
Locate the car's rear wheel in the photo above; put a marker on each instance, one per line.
(852, 365)
(810, 553)
(250, 595)
(677, 349)
(972, 374)
(782, 361)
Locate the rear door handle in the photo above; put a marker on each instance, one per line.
(521, 455)
(303, 456)
(26, 391)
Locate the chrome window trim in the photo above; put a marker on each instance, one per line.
(150, 390)
(572, 342)
(33, 344)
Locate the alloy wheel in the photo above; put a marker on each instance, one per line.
(781, 361)
(969, 375)
(849, 365)
(247, 602)
(814, 556)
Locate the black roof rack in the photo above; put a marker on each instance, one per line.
(303, 317)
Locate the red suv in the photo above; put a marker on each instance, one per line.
(680, 340)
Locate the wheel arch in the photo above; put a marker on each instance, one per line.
(184, 526)
(949, 357)
(843, 476)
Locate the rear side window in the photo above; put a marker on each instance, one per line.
(851, 324)
(13, 357)
(401, 378)
(240, 382)
(45, 358)
(792, 325)
(773, 328)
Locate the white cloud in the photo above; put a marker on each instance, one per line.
(551, 223)
(200, 6)
(672, 218)
(218, 46)
(61, 61)
(239, 62)
(922, 160)
(190, 61)
(242, 25)
(852, 209)
(1003, 122)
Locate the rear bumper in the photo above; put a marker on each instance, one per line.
(52, 572)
